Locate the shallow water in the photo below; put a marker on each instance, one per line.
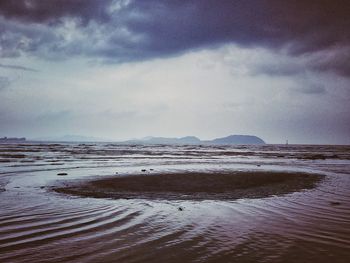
(39, 225)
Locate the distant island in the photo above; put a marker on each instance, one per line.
(228, 140)
(12, 140)
(238, 139)
(232, 139)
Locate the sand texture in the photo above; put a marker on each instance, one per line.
(192, 185)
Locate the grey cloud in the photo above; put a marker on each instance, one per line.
(17, 67)
(334, 60)
(52, 11)
(311, 89)
(279, 69)
(137, 30)
(4, 82)
(17, 39)
(314, 89)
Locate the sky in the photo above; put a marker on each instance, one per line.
(121, 69)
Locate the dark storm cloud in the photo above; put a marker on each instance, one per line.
(336, 61)
(307, 26)
(53, 10)
(138, 30)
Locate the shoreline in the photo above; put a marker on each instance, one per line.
(191, 185)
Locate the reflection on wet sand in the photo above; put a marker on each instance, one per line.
(300, 211)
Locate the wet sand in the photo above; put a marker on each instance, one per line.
(192, 185)
(185, 209)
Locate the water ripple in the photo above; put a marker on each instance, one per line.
(37, 225)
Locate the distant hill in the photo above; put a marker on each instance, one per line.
(232, 139)
(238, 139)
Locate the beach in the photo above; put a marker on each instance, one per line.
(105, 202)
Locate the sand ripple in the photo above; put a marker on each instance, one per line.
(311, 224)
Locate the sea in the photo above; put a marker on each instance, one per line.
(38, 224)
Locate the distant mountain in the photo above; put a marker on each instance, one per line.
(238, 139)
(232, 139)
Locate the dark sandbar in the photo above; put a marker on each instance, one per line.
(193, 185)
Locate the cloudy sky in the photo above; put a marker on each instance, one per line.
(123, 69)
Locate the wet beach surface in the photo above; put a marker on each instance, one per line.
(309, 222)
(192, 185)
